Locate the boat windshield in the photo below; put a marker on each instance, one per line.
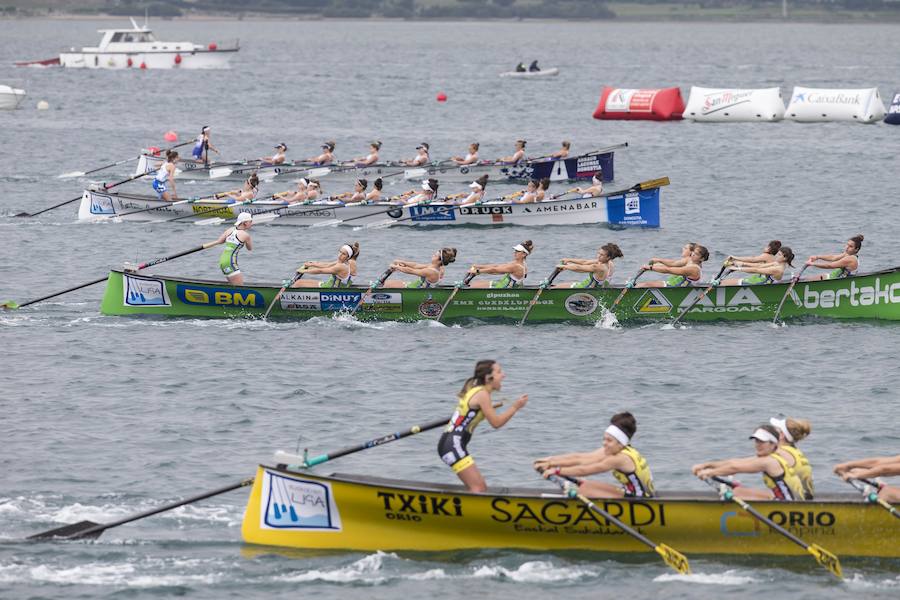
(130, 37)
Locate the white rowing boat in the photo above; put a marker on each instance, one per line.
(10, 97)
(552, 72)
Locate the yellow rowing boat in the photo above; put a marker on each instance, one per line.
(360, 513)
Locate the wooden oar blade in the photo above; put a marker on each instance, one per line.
(826, 559)
(67, 531)
(674, 559)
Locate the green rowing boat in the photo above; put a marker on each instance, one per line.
(868, 296)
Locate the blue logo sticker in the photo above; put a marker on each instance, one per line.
(432, 213)
(339, 300)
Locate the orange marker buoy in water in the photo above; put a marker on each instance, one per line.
(170, 136)
(441, 97)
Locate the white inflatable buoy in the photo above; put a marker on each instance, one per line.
(818, 104)
(732, 104)
(43, 105)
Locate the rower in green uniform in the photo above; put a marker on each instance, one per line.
(790, 432)
(616, 454)
(514, 272)
(840, 265)
(473, 406)
(778, 472)
(234, 239)
(600, 269)
(764, 272)
(428, 274)
(341, 271)
(869, 468)
(683, 272)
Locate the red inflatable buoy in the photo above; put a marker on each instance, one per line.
(441, 97)
(177, 59)
(213, 46)
(153, 150)
(143, 65)
(130, 61)
(170, 136)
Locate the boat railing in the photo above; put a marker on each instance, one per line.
(230, 45)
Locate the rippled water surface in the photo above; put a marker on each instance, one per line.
(104, 416)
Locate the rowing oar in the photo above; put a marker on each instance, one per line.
(866, 487)
(288, 283)
(464, 283)
(714, 283)
(671, 556)
(628, 285)
(167, 205)
(288, 460)
(544, 285)
(372, 286)
(822, 556)
(119, 162)
(89, 529)
(220, 220)
(374, 214)
(13, 305)
(105, 187)
(787, 293)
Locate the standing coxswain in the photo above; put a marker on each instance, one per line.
(616, 454)
(600, 269)
(429, 274)
(514, 272)
(234, 239)
(202, 146)
(474, 405)
(840, 265)
(164, 182)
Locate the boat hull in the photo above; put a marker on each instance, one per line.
(575, 168)
(637, 209)
(357, 513)
(552, 72)
(186, 59)
(10, 97)
(869, 296)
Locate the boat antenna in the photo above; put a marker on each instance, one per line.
(146, 17)
(133, 22)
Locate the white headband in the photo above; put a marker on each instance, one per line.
(303, 181)
(618, 434)
(475, 185)
(764, 436)
(521, 248)
(346, 249)
(781, 425)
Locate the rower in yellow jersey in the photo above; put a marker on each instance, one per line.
(790, 432)
(616, 455)
(474, 405)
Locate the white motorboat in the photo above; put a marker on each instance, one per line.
(10, 97)
(137, 48)
(553, 72)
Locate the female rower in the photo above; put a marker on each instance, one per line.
(791, 431)
(165, 177)
(600, 269)
(562, 152)
(514, 272)
(248, 191)
(313, 190)
(421, 156)
(470, 158)
(841, 265)
(202, 146)
(275, 159)
(375, 194)
(371, 158)
(326, 157)
(425, 196)
(596, 187)
(359, 192)
(234, 239)
(429, 274)
(517, 156)
(767, 255)
(869, 468)
(298, 195)
(616, 454)
(528, 195)
(778, 472)
(474, 405)
(341, 270)
(682, 271)
(477, 193)
(763, 272)
(541, 191)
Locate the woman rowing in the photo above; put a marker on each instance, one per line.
(790, 432)
(474, 405)
(277, 158)
(477, 194)
(202, 146)
(869, 468)
(164, 181)
(313, 190)
(357, 195)
(766, 256)
(841, 265)
(374, 194)
(526, 196)
(299, 194)
(514, 272)
(599, 270)
(616, 455)
(326, 157)
(470, 158)
(369, 159)
(425, 195)
(682, 272)
(595, 189)
(341, 271)
(763, 272)
(564, 151)
(421, 156)
(516, 156)
(778, 473)
(234, 239)
(541, 192)
(247, 192)
(429, 274)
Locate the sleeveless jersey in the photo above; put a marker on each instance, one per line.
(638, 483)
(803, 470)
(786, 486)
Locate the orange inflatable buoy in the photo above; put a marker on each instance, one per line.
(441, 97)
